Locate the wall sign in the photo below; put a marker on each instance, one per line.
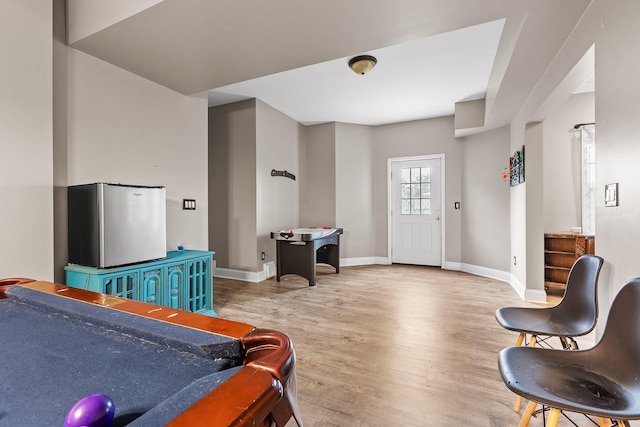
(283, 173)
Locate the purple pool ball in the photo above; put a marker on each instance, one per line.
(96, 410)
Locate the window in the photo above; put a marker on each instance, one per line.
(416, 191)
(588, 180)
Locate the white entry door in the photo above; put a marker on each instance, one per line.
(416, 212)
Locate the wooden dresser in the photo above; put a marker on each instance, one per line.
(561, 250)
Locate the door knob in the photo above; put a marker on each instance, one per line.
(437, 218)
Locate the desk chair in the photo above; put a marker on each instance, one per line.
(575, 315)
(603, 381)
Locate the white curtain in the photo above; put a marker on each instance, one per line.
(588, 180)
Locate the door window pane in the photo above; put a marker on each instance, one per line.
(416, 191)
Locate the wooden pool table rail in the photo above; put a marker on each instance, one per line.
(263, 393)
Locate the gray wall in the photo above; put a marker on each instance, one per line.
(561, 160)
(617, 141)
(125, 129)
(354, 195)
(232, 183)
(110, 125)
(26, 140)
(318, 199)
(422, 137)
(485, 200)
(247, 140)
(277, 198)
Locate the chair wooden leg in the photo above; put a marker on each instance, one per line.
(526, 417)
(518, 404)
(554, 416)
(565, 343)
(621, 423)
(532, 343)
(604, 422)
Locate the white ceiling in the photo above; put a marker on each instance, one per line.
(292, 54)
(413, 80)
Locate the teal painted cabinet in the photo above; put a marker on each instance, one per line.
(182, 280)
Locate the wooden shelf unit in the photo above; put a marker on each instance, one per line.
(561, 250)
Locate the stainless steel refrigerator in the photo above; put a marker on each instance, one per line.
(114, 224)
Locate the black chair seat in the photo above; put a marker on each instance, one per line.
(570, 381)
(544, 321)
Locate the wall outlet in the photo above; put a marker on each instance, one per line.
(263, 256)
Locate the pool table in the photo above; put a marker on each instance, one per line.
(160, 366)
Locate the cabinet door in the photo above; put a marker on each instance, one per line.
(151, 287)
(121, 285)
(199, 290)
(174, 288)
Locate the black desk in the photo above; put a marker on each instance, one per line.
(299, 250)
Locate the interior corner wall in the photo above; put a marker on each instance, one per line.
(277, 197)
(562, 162)
(26, 142)
(518, 216)
(89, 17)
(60, 152)
(485, 200)
(534, 207)
(232, 183)
(125, 129)
(318, 198)
(421, 137)
(354, 195)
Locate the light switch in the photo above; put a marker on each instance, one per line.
(189, 204)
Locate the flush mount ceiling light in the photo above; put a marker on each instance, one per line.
(362, 64)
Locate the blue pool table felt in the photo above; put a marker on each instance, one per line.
(55, 351)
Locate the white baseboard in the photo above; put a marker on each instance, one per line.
(535, 295)
(454, 266)
(245, 276)
(491, 273)
(352, 262)
(517, 286)
(532, 295)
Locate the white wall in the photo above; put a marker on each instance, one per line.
(561, 160)
(125, 129)
(26, 141)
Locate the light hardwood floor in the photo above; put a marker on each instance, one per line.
(391, 345)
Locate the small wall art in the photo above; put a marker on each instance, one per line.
(516, 168)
